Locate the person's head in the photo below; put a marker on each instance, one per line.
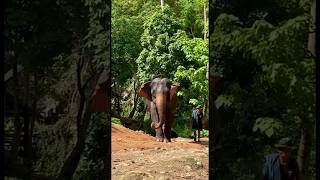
(284, 149)
(284, 154)
(199, 108)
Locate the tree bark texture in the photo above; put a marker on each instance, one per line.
(83, 119)
(135, 100)
(17, 124)
(307, 131)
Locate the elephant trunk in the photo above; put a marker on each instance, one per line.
(161, 105)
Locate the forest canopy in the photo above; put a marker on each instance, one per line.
(150, 41)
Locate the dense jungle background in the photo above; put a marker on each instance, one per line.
(150, 40)
(56, 54)
(262, 84)
(258, 73)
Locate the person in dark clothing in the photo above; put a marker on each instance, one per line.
(281, 165)
(197, 116)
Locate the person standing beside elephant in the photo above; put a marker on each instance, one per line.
(197, 116)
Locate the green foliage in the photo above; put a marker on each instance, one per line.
(115, 120)
(267, 73)
(96, 149)
(126, 33)
(168, 47)
(278, 51)
(156, 59)
(224, 101)
(192, 15)
(183, 131)
(97, 40)
(268, 126)
(205, 133)
(52, 144)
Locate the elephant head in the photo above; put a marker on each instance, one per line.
(161, 97)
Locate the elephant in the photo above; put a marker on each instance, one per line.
(161, 97)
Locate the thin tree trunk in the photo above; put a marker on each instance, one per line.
(312, 35)
(144, 112)
(27, 123)
(17, 126)
(162, 4)
(33, 111)
(304, 151)
(217, 125)
(205, 118)
(73, 159)
(204, 21)
(135, 101)
(107, 160)
(307, 133)
(83, 120)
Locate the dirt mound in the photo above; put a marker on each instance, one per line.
(136, 155)
(125, 139)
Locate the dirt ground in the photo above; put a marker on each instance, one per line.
(137, 156)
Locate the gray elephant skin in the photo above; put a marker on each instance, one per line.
(161, 97)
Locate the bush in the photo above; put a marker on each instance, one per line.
(183, 131)
(205, 133)
(115, 120)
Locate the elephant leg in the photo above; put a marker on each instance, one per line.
(159, 134)
(167, 127)
(167, 133)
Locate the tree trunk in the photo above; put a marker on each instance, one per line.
(204, 20)
(216, 125)
(133, 110)
(162, 4)
(135, 101)
(73, 159)
(17, 125)
(205, 118)
(304, 151)
(71, 164)
(83, 120)
(307, 132)
(312, 34)
(33, 108)
(107, 160)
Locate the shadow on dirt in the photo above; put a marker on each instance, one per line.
(202, 142)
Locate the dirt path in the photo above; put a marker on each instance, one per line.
(136, 156)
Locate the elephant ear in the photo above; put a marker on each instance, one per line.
(173, 96)
(145, 91)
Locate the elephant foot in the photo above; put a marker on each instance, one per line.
(159, 140)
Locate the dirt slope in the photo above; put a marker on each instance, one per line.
(136, 155)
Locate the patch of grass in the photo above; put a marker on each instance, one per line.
(183, 131)
(115, 120)
(204, 133)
